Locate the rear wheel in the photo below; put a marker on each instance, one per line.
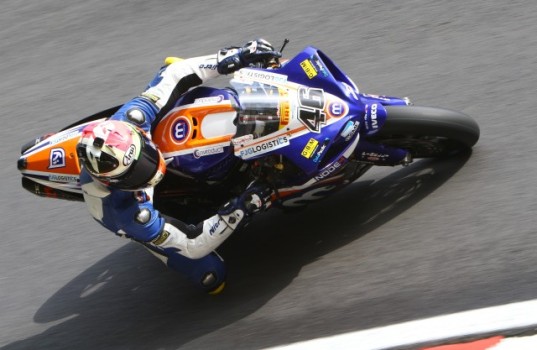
(427, 131)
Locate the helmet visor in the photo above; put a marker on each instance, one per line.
(105, 162)
(142, 171)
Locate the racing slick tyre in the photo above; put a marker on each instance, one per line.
(427, 132)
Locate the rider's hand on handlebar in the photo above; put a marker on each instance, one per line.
(256, 198)
(256, 53)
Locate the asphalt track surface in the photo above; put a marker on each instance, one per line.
(398, 245)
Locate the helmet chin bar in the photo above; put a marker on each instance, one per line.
(147, 171)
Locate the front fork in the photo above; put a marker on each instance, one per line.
(381, 155)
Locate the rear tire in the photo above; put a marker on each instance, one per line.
(427, 131)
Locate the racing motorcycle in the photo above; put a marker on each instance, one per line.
(301, 126)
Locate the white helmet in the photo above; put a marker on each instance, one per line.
(120, 155)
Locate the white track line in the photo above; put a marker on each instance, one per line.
(475, 322)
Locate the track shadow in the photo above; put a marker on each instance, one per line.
(129, 301)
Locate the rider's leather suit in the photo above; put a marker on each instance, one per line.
(131, 214)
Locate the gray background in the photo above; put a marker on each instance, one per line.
(398, 245)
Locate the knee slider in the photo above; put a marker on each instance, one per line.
(208, 279)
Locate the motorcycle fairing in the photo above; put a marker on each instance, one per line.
(53, 162)
(196, 134)
(315, 112)
(317, 138)
(313, 68)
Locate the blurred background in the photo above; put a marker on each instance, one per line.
(397, 245)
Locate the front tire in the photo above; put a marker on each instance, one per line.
(427, 131)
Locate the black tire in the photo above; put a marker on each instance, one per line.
(427, 131)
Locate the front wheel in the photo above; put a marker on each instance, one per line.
(427, 131)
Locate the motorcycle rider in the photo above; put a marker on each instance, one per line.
(121, 165)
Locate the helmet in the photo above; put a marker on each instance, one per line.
(120, 155)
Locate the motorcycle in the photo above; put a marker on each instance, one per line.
(303, 127)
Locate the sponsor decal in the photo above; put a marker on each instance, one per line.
(349, 129)
(285, 113)
(57, 158)
(264, 147)
(330, 170)
(311, 146)
(321, 150)
(208, 151)
(371, 116)
(150, 97)
(62, 178)
(374, 122)
(60, 138)
(129, 155)
(250, 74)
(374, 156)
(237, 141)
(308, 68)
(214, 227)
(337, 109)
(180, 130)
(212, 99)
(208, 66)
(161, 238)
(284, 108)
(320, 66)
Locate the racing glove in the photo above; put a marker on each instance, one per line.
(254, 199)
(256, 53)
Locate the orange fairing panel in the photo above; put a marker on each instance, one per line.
(53, 161)
(189, 127)
(59, 158)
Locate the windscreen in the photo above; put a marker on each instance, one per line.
(264, 108)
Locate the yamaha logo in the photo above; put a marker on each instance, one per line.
(129, 155)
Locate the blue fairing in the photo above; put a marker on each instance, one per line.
(326, 76)
(214, 167)
(313, 70)
(318, 145)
